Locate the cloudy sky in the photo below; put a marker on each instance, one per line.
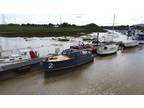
(72, 11)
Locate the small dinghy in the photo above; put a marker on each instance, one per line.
(63, 39)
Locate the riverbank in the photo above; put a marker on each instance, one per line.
(29, 30)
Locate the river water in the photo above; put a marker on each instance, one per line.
(122, 73)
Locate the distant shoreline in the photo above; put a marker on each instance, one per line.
(43, 34)
(29, 30)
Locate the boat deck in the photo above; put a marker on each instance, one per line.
(16, 65)
(58, 58)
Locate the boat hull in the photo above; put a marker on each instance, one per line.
(141, 41)
(107, 52)
(130, 44)
(13, 70)
(18, 65)
(62, 65)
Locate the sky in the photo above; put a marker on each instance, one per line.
(78, 12)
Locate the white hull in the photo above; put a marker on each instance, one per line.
(111, 49)
(23, 55)
(141, 41)
(130, 43)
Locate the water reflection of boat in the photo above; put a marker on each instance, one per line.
(67, 59)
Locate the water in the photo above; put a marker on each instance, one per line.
(115, 74)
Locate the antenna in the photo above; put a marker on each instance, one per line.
(3, 19)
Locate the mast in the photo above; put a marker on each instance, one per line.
(113, 21)
(113, 25)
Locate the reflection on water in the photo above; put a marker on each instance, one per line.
(121, 73)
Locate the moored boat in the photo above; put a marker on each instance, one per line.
(22, 55)
(88, 47)
(67, 59)
(107, 49)
(140, 38)
(18, 61)
(63, 39)
(130, 43)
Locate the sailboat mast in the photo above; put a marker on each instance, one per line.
(113, 21)
(113, 25)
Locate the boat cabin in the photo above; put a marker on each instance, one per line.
(68, 54)
(75, 53)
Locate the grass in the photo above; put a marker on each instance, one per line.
(44, 31)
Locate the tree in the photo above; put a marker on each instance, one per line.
(65, 25)
(51, 25)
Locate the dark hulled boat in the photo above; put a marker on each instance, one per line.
(69, 58)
